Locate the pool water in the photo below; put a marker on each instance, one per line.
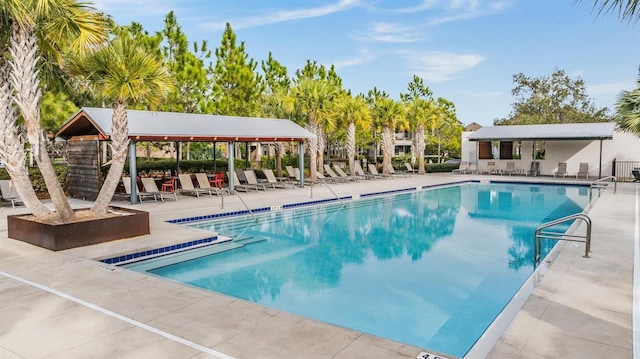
(430, 269)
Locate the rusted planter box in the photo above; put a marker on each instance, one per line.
(82, 233)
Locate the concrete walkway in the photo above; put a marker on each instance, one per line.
(68, 305)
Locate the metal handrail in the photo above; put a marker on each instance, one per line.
(597, 183)
(326, 185)
(539, 234)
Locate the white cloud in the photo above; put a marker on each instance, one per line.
(286, 15)
(391, 33)
(364, 56)
(458, 10)
(439, 66)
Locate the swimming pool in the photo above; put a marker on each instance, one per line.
(430, 268)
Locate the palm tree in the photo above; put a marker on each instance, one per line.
(418, 113)
(387, 115)
(628, 110)
(313, 99)
(628, 10)
(352, 111)
(38, 27)
(124, 73)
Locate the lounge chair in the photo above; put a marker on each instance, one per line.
(333, 174)
(409, 168)
(323, 179)
(562, 170)
(9, 193)
(271, 178)
(345, 176)
(509, 169)
(252, 180)
(490, 169)
(463, 168)
(360, 172)
(151, 187)
(374, 171)
(244, 187)
(583, 171)
(126, 182)
(240, 176)
(205, 184)
(393, 172)
(636, 174)
(186, 186)
(291, 173)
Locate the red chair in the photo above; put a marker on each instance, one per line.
(169, 185)
(218, 180)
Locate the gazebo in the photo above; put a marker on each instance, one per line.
(89, 126)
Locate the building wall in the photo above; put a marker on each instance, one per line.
(623, 147)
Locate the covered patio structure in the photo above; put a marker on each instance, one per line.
(572, 143)
(94, 124)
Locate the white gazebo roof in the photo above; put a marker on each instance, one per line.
(549, 132)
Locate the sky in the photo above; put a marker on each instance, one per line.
(466, 51)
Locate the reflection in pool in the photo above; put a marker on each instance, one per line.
(431, 268)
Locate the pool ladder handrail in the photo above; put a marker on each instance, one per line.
(540, 233)
(604, 183)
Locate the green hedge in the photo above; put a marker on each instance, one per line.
(38, 182)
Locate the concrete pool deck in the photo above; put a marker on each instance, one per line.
(67, 304)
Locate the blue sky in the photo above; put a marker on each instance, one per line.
(466, 50)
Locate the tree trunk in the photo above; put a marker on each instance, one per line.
(321, 145)
(25, 82)
(277, 147)
(351, 147)
(420, 144)
(119, 143)
(313, 151)
(387, 149)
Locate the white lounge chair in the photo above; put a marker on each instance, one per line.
(393, 172)
(463, 168)
(126, 182)
(344, 175)
(374, 171)
(409, 168)
(203, 183)
(583, 171)
(252, 180)
(151, 187)
(186, 186)
(490, 169)
(237, 186)
(271, 178)
(333, 174)
(562, 170)
(9, 193)
(360, 172)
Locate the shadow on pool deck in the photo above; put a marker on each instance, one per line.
(582, 308)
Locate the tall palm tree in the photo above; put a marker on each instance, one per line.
(418, 113)
(387, 115)
(313, 99)
(39, 27)
(628, 110)
(352, 111)
(124, 73)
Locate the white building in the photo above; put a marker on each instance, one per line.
(607, 150)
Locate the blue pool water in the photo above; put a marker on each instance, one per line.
(430, 269)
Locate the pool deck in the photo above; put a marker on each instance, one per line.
(67, 304)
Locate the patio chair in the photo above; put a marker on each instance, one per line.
(392, 172)
(562, 170)
(583, 171)
(509, 169)
(271, 178)
(205, 184)
(150, 186)
(240, 176)
(534, 170)
(344, 175)
(244, 187)
(252, 180)
(9, 193)
(409, 168)
(374, 171)
(291, 174)
(636, 174)
(360, 172)
(186, 186)
(126, 182)
(463, 168)
(333, 174)
(490, 169)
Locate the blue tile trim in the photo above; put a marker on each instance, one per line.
(309, 203)
(157, 251)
